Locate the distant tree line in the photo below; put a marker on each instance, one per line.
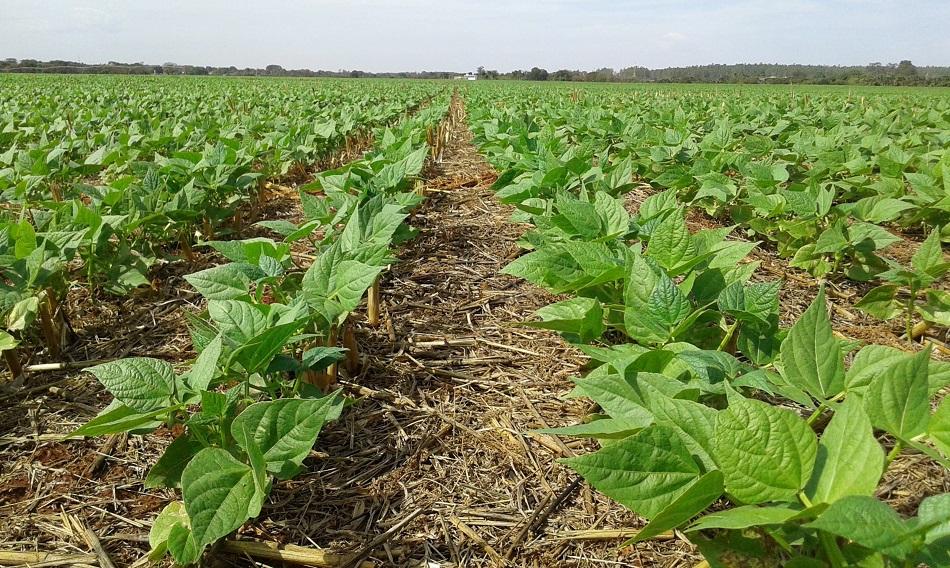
(12, 65)
(902, 73)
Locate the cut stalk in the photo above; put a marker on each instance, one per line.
(332, 369)
(186, 247)
(352, 350)
(13, 363)
(372, 304)
(47, 312)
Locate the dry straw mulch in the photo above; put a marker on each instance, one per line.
(436, 461)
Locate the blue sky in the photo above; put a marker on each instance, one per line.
(378, 35)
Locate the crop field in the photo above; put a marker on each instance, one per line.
(356, 323)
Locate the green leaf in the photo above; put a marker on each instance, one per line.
(690, 503)
(205, 368)
(871, 361)
(881, 302)
(7, 342)
(653, 304)
(646, 472)
(25, 240)
(257, 353)
(576, 217)
(617, 395)
(319, 358)
(173, 514)
(23, 313)
(850, 461)
(120, 419)
(580, 319)
(225, 282)
(930, 254)
(938, 429)
(141, 383)
(897, 400)
(168, 469)
(239, 321)
(602, 428)
(286, 429)
(867, 522)
(766, 453)
(744, 517)
(753, 303)
(220, 493)
(334, 286)
(670, 244)
(811, 355)
(615, 219)
(937, 307)
(182, 545)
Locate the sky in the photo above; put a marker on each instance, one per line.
(460, 35)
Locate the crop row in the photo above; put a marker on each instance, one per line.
(269, 339)
(829, 180)
(103, 179)
(759, 443)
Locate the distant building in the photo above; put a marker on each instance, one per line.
(467, 77)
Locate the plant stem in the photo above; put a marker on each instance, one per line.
(729, 333)
(892, 455)
(830, 546)
(822, 408)
(910, 315)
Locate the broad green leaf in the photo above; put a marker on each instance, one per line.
(23, 313)
(937, 307)
(580, 319)
(753, 303)
(938, 429)
(319, 358)
(881, 302)
(646, 472)
(257, 353)
(7, 342)
(619, 396)
(744, 517)
(687, 505)
(167, 470)
(871, 361)
(286, 429)
(205, 367)
(225, 282)
(120, 419)
(26, 240)
(576, 217)
(653, 304)
(766, 453)
(333, 286)
(930, 254)
(219, 493)
(811, 355)
(173, 514)
(615, 219)
(695, 423)
(182, 545)
(238, 321)
(601, 429)
(850, 461)
(141, 383)
(897, 401)
(868, 522)
(670, 244)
